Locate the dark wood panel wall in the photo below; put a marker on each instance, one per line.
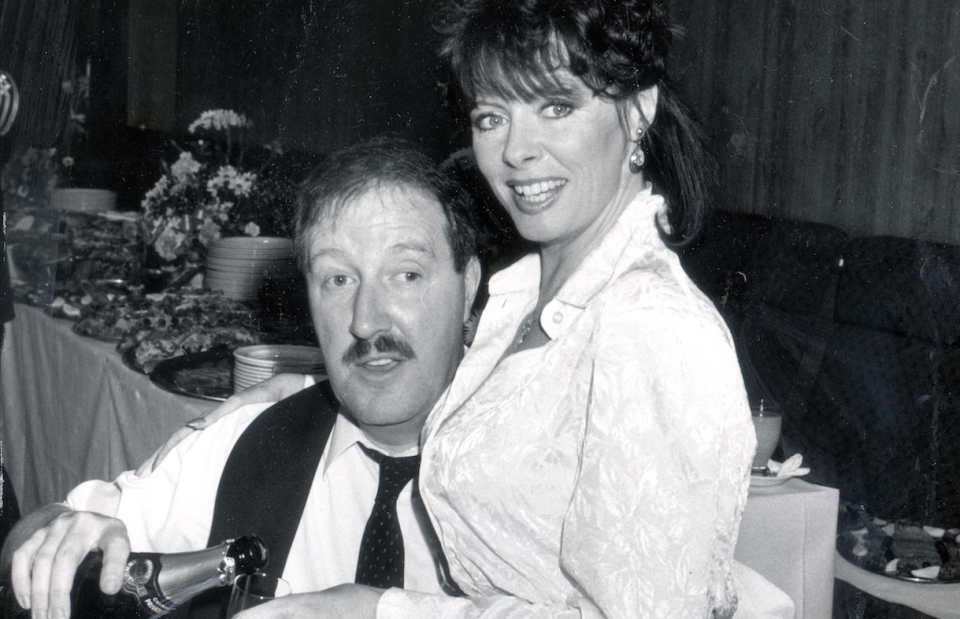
(319, 74)
(845, 112)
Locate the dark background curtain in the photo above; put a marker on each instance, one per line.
(38, 44)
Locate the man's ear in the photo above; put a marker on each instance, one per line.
(471, 284)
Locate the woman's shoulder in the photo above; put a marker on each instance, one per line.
(656, 303)
(656, 285)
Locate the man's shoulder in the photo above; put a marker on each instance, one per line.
(310, 405)
(319, 393)
(298, 420)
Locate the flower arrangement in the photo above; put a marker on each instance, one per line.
(29, 177)
(206, 193)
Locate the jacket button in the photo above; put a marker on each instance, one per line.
(558, 318)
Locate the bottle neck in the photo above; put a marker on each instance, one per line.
(184, 575)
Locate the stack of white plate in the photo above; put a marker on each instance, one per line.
(252, 364)
(84, 200)
(238, 265)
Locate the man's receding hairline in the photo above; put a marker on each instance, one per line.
(330, 215)
(334, 207)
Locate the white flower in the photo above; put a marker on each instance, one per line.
(222, 178)
(243, 183)
(67, 162)
(789, 468)
(251, 229)
(228, 177)
(209, 231)
(169, 243)
(219, 120)
(185, 167)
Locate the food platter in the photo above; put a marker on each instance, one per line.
(899, 550)
(205, 375)
(91, 328)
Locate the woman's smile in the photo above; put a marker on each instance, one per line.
(533, 197)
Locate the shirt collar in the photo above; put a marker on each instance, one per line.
(521, 276)
(632, 235)
(347, 435)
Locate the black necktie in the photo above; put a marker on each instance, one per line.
(380, 563)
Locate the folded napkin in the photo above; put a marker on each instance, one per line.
(790, 468)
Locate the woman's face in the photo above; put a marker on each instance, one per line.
(559, 165)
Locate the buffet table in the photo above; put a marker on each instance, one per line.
(73, 411)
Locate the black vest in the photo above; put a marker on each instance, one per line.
(267, 479)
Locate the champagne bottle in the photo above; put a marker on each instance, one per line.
(155, 584)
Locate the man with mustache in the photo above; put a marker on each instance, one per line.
(388, 248)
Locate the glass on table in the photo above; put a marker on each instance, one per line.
(767, 421)
(255, 589)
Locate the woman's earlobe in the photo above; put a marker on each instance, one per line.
(647, 104)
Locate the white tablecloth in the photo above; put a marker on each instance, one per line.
(72, 411)
(788, 534)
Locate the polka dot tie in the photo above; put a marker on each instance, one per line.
(380, 563)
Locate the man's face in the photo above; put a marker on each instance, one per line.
(388, 308)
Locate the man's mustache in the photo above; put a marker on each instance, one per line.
(383, 344)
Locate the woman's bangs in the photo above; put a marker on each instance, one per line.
(515, 76)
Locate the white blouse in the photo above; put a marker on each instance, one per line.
(603, 473)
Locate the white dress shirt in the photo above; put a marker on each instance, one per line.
(171, 509)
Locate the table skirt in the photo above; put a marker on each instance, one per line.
(788, 535)
(72, 411)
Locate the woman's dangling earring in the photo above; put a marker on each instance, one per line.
(637, 158)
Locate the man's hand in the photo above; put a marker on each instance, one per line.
(273, 389)
(340, 602)
(44, 566)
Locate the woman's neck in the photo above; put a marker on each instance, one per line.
(559, 260)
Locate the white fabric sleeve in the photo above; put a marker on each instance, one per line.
(98, 496)
(653, 522)
(170, 509)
